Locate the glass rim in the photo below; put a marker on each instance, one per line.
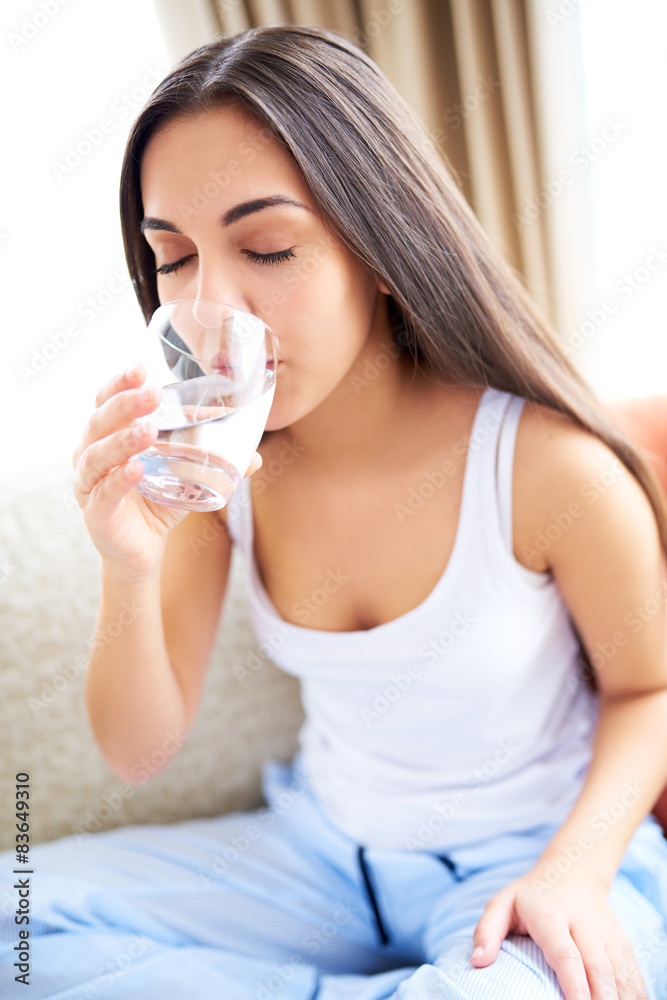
(214, 302)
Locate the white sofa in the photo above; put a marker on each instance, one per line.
(49, 594)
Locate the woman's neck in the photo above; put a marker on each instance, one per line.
(368, 415)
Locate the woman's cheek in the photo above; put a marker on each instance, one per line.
(311, 275)
(175, 287)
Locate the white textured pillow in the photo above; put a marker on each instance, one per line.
(49, 594)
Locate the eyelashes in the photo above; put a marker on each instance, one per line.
(257, 258)
(270, 258)
(176, 266)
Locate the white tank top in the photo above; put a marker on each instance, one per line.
(461, 719)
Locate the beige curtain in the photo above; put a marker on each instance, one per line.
(468, 68)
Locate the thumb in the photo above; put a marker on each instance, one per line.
(255, 464)
(491, 930)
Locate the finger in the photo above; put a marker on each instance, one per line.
(131, 378)
(560, 951)
(630, 976)
(112, 488)
(101, 457)
(492, 929)
(628, 980)
(116, 411)
(120, 411)
(611, 968)
(255, 464)
(600, 973)
(626, 967)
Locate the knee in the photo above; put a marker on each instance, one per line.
(426, 981)
(519, 968)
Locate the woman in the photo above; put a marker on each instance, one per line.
(465, 816)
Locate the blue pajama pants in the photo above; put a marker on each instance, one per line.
(278, 903)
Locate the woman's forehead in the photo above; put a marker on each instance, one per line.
(224, 138)
(213, 161)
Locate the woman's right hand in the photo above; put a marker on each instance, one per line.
(128, 530)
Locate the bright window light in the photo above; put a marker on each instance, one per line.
(74, 77)
(621, 337)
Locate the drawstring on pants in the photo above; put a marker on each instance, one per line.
(365, 872)
(384, 937)
(450, 864)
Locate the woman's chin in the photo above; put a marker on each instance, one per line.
(284, 412)
(290, 406)
(278, 420)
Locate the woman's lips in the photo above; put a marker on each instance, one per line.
(219, 362)
(221, 366)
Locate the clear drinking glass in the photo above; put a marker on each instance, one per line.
(217, 366)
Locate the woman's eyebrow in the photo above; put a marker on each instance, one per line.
(232, 215)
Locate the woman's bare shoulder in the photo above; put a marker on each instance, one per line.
(560, 468)
(553, 442)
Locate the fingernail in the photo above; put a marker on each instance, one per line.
(478, 951)
(141, 428)
(130, 373)
(146, 395)
(132, 468)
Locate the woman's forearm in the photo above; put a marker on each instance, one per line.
(627, 773)
(134, 701)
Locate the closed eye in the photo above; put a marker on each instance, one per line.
(257, 258)
(175, 266)
(270, 258)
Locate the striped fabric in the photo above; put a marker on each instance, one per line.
(278, 903)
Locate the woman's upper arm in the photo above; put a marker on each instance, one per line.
(604, 550)
(194, 575)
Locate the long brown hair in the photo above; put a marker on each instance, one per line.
(455, 306)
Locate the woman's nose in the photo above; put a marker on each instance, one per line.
(213, 289)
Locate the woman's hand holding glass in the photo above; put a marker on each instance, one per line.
(128, 530)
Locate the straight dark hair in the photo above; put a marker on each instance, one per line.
(455, 306)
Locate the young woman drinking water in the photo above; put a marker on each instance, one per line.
(467, 816)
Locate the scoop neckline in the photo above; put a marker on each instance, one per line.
(444, 581)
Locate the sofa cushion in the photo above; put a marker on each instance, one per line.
(49, 597)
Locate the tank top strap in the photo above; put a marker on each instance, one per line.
(493, 539)
(505, 464)
(490, 457)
